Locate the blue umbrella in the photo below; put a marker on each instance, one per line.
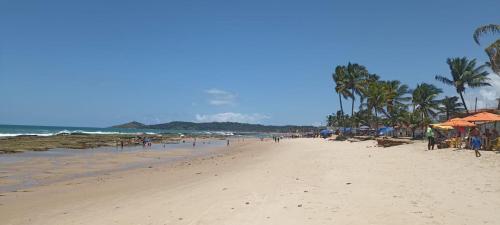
(326, 133)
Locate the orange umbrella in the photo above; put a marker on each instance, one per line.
(483, 117)
(458, 122)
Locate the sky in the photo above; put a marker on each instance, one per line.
(101, 63)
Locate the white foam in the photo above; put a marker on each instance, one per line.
(67, 132)
(27, 134)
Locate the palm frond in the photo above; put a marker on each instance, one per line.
(444, 80)
(490, 28)
(493, 52)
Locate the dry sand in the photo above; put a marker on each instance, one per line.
(300, 181)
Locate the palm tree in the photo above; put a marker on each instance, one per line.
(493, 50)
(355, 77)
(396, 94)
(340, 79)
(424, 100)
(464, 72)
(376, 99)
(450, 106)
(411, 120)
(370, 78)
(397, 117)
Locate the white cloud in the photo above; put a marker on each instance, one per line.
(486, 96)
(317, 124)
(232, 117)
(220, 97)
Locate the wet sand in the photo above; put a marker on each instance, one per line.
(30, 169)
(300, 181)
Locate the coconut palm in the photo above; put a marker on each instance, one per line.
(424, 100)
(450, 106)
(396, 94)
(397, 117)
(493, 50)
(411, 120)
(362, 116)
(340, 79)
(465, 73)
(370, 78)
(376, 99)
(355, 80)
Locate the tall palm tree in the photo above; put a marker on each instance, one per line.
(355, 76)
(396, 94)
(493, 50)
(450, 106)
(465, 73)
(370, 78)
(376, 99)
(340, 79)
(424, 100)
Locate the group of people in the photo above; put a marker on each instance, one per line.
(476, 140)
(276, 139)
(146, 142)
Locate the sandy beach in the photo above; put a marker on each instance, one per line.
(298, 181)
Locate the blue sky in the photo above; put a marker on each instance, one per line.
(99, 63)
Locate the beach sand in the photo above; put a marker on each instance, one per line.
(298, 181)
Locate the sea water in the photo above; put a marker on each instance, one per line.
(17, 130)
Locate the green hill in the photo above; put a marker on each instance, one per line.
(133, 124)
(219, 126)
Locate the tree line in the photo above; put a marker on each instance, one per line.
(393, 103)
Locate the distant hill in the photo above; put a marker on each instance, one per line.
(133, 124)
(219, 126)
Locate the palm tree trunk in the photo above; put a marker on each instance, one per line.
(376, 123)
(423, 125)
(352, 108)
(341, 110)
(463, 102)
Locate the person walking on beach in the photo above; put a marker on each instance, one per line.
(227, 142)
(476, 144)
(430, 138)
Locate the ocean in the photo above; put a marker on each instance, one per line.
(17, 130)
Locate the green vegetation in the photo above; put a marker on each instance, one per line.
(394, 104)
(493, 50)
(221, 126)
(450, 107)
(133, 124)
(465, 73)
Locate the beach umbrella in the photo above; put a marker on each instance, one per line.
(326, 132)
(364, 127)
(442, 127)
(385, 130)
(483, 117)
(458, 122)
